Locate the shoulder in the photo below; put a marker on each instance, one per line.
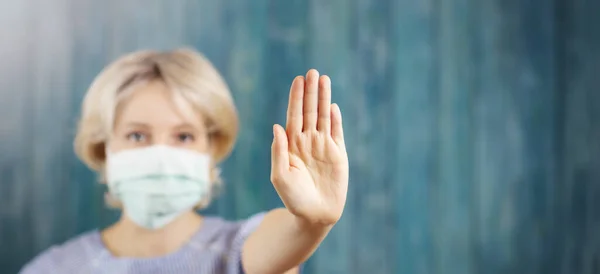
(245, 227)
(227, 233)
(227, 239)
(67, 257)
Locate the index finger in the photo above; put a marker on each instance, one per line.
(294, 111)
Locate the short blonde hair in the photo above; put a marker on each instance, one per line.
(188, 75)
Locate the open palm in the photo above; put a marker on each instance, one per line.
(309, 165)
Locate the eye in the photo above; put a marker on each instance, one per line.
(185, 137)
(137, 137)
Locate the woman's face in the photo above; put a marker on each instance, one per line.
(148, 116)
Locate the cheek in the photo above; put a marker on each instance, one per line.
(112, 147)
(201, 145)
(116, 144)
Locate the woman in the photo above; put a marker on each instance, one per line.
(154, 126)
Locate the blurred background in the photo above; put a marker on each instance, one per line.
(472, 126)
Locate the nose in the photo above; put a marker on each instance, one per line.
(162, 138)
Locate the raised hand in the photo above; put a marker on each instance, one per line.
(309, 164)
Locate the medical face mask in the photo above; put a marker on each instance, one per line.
(157, 184)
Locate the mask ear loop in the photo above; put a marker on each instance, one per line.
(214, 187)
(111, 201)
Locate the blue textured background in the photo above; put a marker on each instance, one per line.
(473, 126)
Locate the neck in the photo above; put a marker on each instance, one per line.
(126, 239)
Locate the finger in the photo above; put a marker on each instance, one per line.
(324, 121)
(311, 93)
(294, 112)
(337, 131)
(280, 159)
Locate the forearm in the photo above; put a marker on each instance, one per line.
(281, 242)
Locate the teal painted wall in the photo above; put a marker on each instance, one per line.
(472, 126)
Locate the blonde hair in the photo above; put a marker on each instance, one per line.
(189, 76)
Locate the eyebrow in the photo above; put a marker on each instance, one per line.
(136, 124)
(178, 126)
(199, 129)
(186, 125)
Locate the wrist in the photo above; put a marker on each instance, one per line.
(312, 225)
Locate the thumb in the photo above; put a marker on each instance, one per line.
(280, 158)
